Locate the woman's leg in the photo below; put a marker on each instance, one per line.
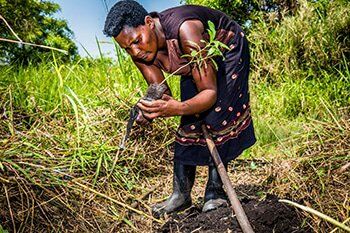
(215, 195)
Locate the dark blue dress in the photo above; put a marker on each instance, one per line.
(229, 121)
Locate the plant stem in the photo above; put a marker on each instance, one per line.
(317, 213)
(35, 45)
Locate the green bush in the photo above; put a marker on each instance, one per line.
(247, 12)
(33, 22)
(314, 41)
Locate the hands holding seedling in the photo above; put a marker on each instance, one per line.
(164, 107)
(141, 120)
(154, 92)
(167, 106)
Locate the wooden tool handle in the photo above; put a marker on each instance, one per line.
(235, 203)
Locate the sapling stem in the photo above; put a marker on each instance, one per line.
(211, 49)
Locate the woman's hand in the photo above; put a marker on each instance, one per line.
(141, 120)
(164, 107)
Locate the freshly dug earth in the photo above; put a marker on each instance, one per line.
(265, 216)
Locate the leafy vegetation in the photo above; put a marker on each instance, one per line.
(311, 44)
(247, 12)
(33, 22)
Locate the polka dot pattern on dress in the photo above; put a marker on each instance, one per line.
(221, 120)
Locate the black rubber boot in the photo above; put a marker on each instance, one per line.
(215, 195)
(180, 199)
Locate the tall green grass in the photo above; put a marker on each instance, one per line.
(60, 129)
(300, 72)
(308, 45)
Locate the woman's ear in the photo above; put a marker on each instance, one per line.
(149, 21)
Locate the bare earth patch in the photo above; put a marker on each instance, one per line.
(267, 215)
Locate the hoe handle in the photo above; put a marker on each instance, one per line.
(235, 203)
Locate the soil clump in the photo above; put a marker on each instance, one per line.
(265, 216)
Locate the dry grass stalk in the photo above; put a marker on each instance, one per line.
(19, 41)
(12, 31)
(43, 190)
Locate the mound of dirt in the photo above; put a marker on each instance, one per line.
(265, 216)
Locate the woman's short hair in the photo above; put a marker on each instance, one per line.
(124, 13)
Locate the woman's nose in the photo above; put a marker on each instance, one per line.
(135, 51)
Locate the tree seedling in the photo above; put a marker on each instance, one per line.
(199, 57)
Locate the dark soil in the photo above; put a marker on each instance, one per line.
(265, 216)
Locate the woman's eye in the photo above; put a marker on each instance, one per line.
(136, 41)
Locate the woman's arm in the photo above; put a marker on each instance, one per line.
(192, 31)
(152, 74)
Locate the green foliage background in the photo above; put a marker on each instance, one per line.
(33, 22)
(246, 12)
(298, 40)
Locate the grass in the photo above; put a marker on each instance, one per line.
(61, 134)
(282, 110)
(60, 131)
(61, 124)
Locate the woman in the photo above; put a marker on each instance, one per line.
(217, 98)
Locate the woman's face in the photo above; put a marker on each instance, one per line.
(139, 42)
